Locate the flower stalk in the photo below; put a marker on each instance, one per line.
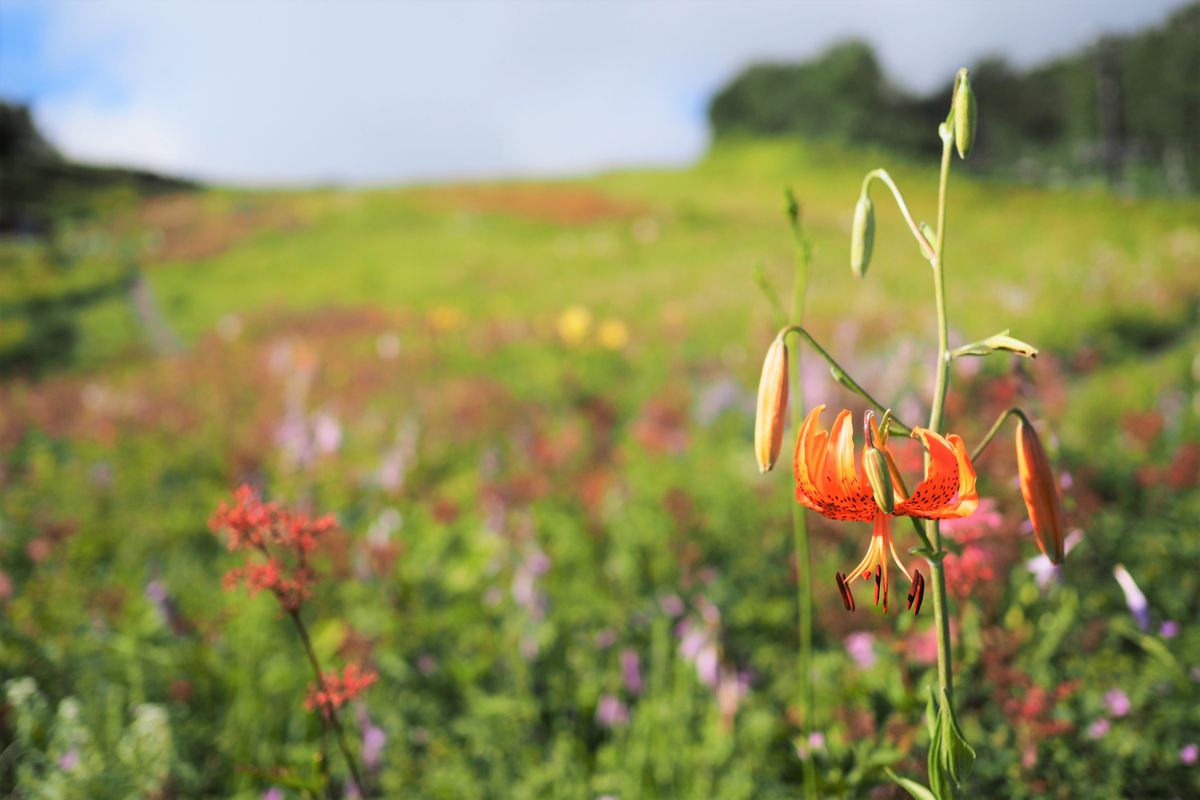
(804, 593)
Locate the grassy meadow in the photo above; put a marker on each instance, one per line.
(530, 407)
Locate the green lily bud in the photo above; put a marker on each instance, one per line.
(964, 115)
(862, 235)
(880, 478)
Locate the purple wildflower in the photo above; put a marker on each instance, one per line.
(611, 712)
(1138, 605)
(631, 670)
(861, 647)
(1117, 702)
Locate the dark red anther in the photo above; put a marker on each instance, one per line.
(844, 588)
(917, 593)
(878, 582)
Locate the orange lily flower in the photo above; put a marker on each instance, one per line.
(831, 481)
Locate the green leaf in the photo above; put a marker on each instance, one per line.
(957, 754)
(938, 781)
(915, 789)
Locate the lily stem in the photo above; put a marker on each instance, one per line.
(940, 609)
(883, 176)
(844, 378)
(996, 426)
(335, 723)
(804, 594)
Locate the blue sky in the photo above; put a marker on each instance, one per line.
(371, 91)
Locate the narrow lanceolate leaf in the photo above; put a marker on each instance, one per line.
(915, 789)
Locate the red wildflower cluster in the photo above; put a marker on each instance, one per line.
(337, 690)
(284, 538)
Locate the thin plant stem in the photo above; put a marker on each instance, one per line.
(335, 723)
(936, 412)
(844, 378)
(996, 426)
(804, 594)
(883, 176)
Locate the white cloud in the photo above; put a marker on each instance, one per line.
(371, 91)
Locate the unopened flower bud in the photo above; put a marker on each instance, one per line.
(964, 115)
(772, 405)
(1002, 341)
(1040, 492)
(879, 476)
(862, 235)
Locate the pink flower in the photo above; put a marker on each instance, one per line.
(631, 670)
(1117, 702)
(1098, 729)
(1189, 754)
(611, 712)
(861, 647)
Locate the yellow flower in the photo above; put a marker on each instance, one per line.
(574, 324)
(613, 334)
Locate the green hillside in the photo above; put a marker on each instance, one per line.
(531, 500)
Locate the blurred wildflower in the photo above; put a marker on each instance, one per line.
(612, 334)
(1138, 606)
(574, 324)
(860, 645)
(374, 739)
(1098, 729)
(631, 671)
(698, 646)
(444, 319)
(671, 605)
(611, 712)
(831, 481)
(387, 346)
(922, 645)
(337, 690)
(815, 743)
(1169, 629)
(731, 688)
(1046, 571)
(229, 327)
(1189, 754)
(274, 793)
(70, 760)
(399, 458)
(276, 534)
(716, 397)
(524, 587)
(1117, 702)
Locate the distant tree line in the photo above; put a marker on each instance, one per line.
(39, 187)
(1125, 109)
